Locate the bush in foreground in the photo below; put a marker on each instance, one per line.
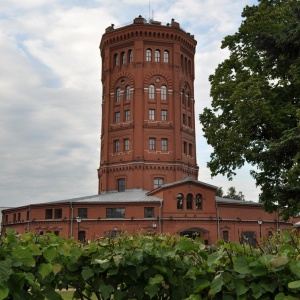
(148, 267)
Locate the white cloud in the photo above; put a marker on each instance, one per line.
(50, 88)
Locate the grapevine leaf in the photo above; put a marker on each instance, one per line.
(213, 258)
(186, 245)
(50, 254)
(278, 262)
(216, 284)
(257, 290)
(44, 270)
(56, 268)
(106, 290)
(151, 290)
(240, 287)
(294, 284)
(23, 256)
(241, 266)
(4, 291)
(156, 279)
(282, 296)
(87, 273)
(202, 284)
(5, 271)
(35, 249)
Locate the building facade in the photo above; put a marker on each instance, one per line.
(148, 170)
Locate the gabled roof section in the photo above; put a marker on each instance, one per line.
(222, 200)
(181, 182)
(131, 195)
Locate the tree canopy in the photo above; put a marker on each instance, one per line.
(231, 194)
(255, 109)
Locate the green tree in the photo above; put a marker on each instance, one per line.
(219, 192)
(232, 194)
(255, 110)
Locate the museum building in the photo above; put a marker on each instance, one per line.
(148, 173)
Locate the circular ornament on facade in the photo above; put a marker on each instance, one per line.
(157, 79)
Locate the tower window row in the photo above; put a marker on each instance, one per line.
(163, 116)
(189, 202)
(126, 116)
(153, 142)
(186, 65)
(119, 94)
(186, 99)
(156, 55)
(123, 58)
(163, 92)
(188, 148)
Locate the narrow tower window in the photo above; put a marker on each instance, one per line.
(116, 59)
(127, 93)
(130, 56)
(163, 93)
(127, 115)
(118, 95)
(164, 144)
(126, 144)
(151, 114)
(116, 146)
(148, 55)
(123, 58)
(157, 56)
(117, 117)
(151, 91)
(152, 143)
(166, 56)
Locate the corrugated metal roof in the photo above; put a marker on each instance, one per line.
(235, 201)
(131, 195)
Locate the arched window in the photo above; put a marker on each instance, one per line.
(225, 235)
(118, 95)
(123, 58)
(166, 56)
(189, 201)
(157, 56)
(187, 97)
(116, 59)
(179, 199)
(151, 91)
(148, 55)
(198, 201)
(127, 92)
(189, 67)
(182, 97)
(130, 56)
(163, 93)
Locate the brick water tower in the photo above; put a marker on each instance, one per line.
(148, 117)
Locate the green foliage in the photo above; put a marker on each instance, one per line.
(256, 104)
(144, 267)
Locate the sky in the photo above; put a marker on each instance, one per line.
(50, 89)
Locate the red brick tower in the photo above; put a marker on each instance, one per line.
(148, 121)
